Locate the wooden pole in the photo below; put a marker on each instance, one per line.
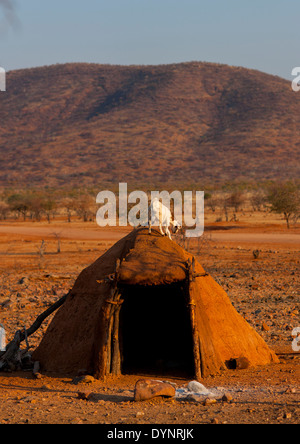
(116, 356)
(192, 306)
(12, 348)
(109, 345)
(112, 319)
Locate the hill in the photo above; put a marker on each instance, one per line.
(89, 124)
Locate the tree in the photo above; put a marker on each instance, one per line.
(19, 203)
(226, 205)
(258, 200)
(4, 210)
(57, 236)
(84, 207)
(48, 206)
(212, 202)
(68, 204)
(284, 199)
(35, 206)
(236, 200)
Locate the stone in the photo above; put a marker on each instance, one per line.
(291, 390)
(85, 396)
(227, 397)
(198, 388)
(8, 304)
(242, 363)
(87, 379)
(194, 398)
(37, 375)
(209, 402)
(147, 389)
(265, 327)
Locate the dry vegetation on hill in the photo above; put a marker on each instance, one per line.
(91, 124)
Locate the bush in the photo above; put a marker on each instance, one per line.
(284, 199)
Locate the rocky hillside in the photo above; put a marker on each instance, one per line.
(89, 124)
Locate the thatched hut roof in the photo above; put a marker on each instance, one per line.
(86, 333)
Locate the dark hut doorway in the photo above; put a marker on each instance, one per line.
(155, 331)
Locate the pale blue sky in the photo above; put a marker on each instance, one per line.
(258, 34)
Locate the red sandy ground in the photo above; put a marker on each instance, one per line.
(266, 291)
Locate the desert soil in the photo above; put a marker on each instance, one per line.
(266, 291)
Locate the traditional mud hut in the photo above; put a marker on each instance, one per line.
(148, 306)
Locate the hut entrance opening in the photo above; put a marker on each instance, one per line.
(155, 331)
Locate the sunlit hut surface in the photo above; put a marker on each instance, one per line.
(148, 307)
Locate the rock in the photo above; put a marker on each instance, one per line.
(209, 402)
(86, 379)
(147, 389)
(256, 254)
(8, 304)
(29, 399)
(194, 398)
(265, 327)
(23, 280)
(99, 401)
(291, 390)
(85, 396)
(227, 398)
(76, 421)
(242, 363)
(37, 375)
(171, 383)
(198, 388)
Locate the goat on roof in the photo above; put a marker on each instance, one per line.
(160, 215)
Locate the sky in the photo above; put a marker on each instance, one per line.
(257, 34)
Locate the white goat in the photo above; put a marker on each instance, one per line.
(159, 214)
